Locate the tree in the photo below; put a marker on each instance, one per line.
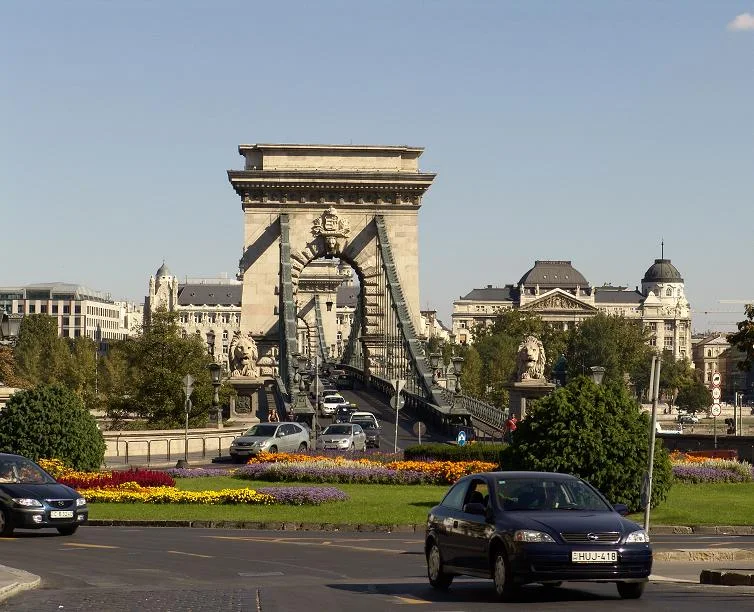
(40, 355)
(597, 432)
(471, 375)
(145, 374)
(694, 396)
(614, 342)
(51, 422)
(80, 374)
(743, 339)
(8, 369)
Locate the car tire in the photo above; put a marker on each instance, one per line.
(6, 525)
(501, 576)
(302, 447)
(236, 459)
(272, 449)
(631, 590)
(68, 531)
(438, 578)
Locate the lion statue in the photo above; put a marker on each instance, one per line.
(531, 359)
(242, 355)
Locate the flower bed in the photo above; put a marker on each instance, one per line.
(691, 469)
(283, 467)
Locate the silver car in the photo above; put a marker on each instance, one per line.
(343, 436)
(269, 437)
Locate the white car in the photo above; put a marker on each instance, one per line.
(361, 417)
(327, 405)
(343, 436)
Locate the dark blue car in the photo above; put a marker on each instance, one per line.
(534, 527)
(32, 499)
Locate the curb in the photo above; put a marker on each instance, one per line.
(264, 526)
(727, 577)
(19, 581)
(690, 555)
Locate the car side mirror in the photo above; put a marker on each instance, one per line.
(475, 508)
(621, 509)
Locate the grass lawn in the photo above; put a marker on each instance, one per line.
(700, 504)
(705, 504)
(369, 504)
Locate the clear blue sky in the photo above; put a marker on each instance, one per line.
(586, 131)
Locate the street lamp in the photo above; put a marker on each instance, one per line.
(216, 371)
(598, 373)
(434, 362)
(457, 369)
(9, 326)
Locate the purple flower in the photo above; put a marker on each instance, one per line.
(299, 496)
(308, 472)
(695, 474)
(197, 472)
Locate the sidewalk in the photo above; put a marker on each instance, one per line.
(13, 581)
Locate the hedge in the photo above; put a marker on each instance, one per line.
(438, 451)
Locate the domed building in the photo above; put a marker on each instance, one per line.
(562, 296)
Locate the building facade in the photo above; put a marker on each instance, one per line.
(562, 296)
(79, 311)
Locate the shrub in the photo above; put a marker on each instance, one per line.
(438, 451)
(51, 421)
(596, 432)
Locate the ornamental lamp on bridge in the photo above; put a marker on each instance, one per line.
(434, 362)
(9, 326)
(215, 372)
(457, 369)
(597, 374)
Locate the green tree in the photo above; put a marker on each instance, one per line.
(40, 355)
(80, 374)
(674, 374)
(743, 339)
(694, 396)
(471, 375)
(51, 422)
(8, 369)
(145, 373)
(614, 342)
(597, 432)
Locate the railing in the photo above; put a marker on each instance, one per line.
(282, 399)
(165, 448)
(320, 331)
(286, 309)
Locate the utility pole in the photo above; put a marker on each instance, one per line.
(654, 389)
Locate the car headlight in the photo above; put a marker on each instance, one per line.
(28, 502)
(528, 535)
(80, 501)
(637, 536)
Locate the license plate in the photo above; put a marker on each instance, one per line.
(61, 513)
(594, 556)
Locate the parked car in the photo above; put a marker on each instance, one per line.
(343, 412)
(328, 404)
(534, 527)
(32, 499)
(270, 437)
(343, 436)
(370, 425)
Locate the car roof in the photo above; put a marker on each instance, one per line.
(362, 414)
(512, 475)
(11, 456)
(337, 398)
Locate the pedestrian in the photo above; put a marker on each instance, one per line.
(510, 427)
(273, 417)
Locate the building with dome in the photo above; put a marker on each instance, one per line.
(562, 296)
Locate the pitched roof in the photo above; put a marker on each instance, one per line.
(491, 294)
(201, 294)
(603, 295)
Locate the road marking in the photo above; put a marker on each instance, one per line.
(410, 600)
(299, 542)
(259, 574)
(188, 554)
(78, 545)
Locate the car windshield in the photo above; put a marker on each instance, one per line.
(365, 424)
(548, 494)
(338, 430)
(22, 471)
(263, 430)
(333, 399)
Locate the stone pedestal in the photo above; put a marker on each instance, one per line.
(248, 407)
(520, 392)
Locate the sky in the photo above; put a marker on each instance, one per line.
(589, 131)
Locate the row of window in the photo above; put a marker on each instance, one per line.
(209, 317)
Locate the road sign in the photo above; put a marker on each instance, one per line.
(461, 439)
(397, 400)
(188, 382)
(419, 429)
(716, 378)
(716, 410)
(716, 393)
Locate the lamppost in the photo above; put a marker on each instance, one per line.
(598, 373)
(434, 362)
(9, 326)
(216, 371)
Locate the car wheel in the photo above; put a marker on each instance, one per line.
(353, 446)
(236, 459)
(302, 447)
(6, 526)
(437, 576)
(272, 449)
(501, 575)
(67, 531)
(631, 590)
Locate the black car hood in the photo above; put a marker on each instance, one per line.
(52, 490)
(572, 521)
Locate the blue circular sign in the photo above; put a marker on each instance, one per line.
(461, 439)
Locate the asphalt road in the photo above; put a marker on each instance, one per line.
(118, 569)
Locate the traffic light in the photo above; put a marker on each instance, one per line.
(731, 423)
